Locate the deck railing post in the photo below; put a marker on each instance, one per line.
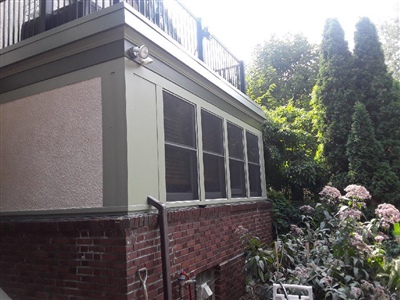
(200, 36)
(242, 77)
(45, 8)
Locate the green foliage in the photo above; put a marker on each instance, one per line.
(284, 213)
(351, 150)
(334, 250)
(389, 133)
(309, 143)
(363, 150)
(396, 228)
(290, 147)
(373, 82)
(283, 69)
(333, 99)
(385, 184)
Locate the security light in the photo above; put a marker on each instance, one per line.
(140, 55)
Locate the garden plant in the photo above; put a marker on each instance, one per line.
(334, 248)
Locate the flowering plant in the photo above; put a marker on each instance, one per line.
(336, 249)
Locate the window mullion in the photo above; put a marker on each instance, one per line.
(262, 166)
(200, 159)
(227, 169)
(246, 165)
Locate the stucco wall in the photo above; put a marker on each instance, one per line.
(51, 149)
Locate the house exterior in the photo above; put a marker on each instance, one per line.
(97, 143)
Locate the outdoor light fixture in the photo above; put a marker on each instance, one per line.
(140, 55)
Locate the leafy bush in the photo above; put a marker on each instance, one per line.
(334, 249)
(284, 213)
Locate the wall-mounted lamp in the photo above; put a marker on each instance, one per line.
(140, 54)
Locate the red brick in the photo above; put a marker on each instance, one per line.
(98, 258)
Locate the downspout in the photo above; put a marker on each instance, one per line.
(162, 219)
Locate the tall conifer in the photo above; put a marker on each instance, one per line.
(363, 150)
(335, 93)
(366, 164)
(373, 81)
(376, 88)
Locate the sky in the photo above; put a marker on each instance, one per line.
(242, 24)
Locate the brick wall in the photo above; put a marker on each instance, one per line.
(98, 257)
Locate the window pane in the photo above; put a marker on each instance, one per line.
(179, 121)
(214, 176)
(253, 152)
(235, 141)
(181, 173)
(253, 156)
(255, 180)
(237, 178)
(212, 133)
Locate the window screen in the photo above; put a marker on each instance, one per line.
(253, 156)
(180, 149)
(213, 156)
(236, 161)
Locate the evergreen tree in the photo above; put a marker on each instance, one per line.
(379, 92)
(366, 164)
(373, 81)
(363, 150)
(335, 95)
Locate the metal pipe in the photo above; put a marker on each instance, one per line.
(162, 218)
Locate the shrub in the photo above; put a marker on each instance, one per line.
(284, 213)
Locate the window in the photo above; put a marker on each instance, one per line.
(202, 148)
(253, 157)
(180, 149)
(236, 161)
(213, 156)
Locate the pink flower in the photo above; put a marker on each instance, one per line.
(388, 214)
(307, 209)
(327, 280)
(351, 213)
(296, 230)
(330, 194)
(356, 241)
(366, 285)
(301, 273)
(380, 237)
(357, 191)
(355, 292)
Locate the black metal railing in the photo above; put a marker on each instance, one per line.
(21, 19)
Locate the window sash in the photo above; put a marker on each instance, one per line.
(181, 155)
(213, 156)
(253, 164)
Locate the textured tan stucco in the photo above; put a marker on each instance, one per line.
(51, 149)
